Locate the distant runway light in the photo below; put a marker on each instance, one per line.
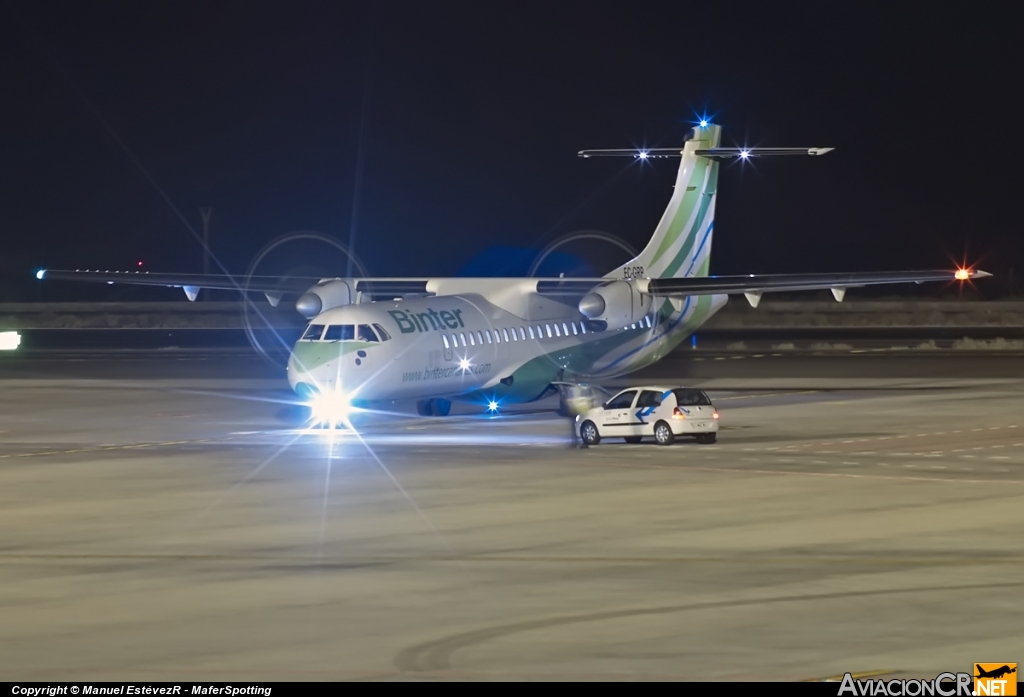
(9, 341)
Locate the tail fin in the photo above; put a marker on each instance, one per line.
(681, 245)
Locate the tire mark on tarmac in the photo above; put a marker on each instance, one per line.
(127, 446)
(295, 560)
(846, 475)
(436, 655)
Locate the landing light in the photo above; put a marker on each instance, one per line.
(330, 408)
(40, 274)
(642, 155)
(962, 274)
(744, 154)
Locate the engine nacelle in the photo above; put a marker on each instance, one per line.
(328, 293)
(617, 304)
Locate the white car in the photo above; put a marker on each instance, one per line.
(663, 412)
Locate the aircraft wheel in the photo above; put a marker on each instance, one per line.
(441, 407)
(424, 407)
(589, 434)
(633, 439)
(663, 434)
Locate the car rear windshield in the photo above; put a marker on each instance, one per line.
(690, 398)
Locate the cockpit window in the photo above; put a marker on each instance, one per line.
(384, 336)
(313, 332)
(340, 332)
(365, 333)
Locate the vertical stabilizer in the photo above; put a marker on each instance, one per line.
(681, 244)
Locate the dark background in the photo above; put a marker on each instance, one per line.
(431, 135)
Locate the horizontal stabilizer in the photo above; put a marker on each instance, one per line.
(742, 153)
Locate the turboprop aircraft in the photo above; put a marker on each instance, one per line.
(498, 341)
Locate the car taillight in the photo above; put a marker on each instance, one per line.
(716, 415)
(677, 414)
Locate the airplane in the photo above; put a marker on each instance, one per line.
(499, 341)
(995, 673)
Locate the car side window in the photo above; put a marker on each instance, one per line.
(649, 398)
(622, 401)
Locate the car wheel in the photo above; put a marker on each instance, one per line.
(589, 434)
(663, 434)
(633, 439)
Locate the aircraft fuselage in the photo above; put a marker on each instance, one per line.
(465, 346)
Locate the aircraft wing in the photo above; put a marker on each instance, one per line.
(768, 283)
(266, 284)
(755, 284)
(752, 285)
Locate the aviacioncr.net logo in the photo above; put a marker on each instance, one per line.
(943, 685)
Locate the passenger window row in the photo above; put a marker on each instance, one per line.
(513, 334)
(645, 322)
(345, 332)
(533, 331)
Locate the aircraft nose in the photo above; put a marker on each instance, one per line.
(306, 377)
(310, 372)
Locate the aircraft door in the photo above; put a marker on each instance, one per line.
(446, 340)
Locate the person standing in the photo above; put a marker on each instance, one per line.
(572, 406)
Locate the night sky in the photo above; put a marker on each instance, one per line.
(431, 134)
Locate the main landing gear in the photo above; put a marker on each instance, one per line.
(433, 407)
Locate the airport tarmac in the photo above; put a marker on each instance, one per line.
(168, 517)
